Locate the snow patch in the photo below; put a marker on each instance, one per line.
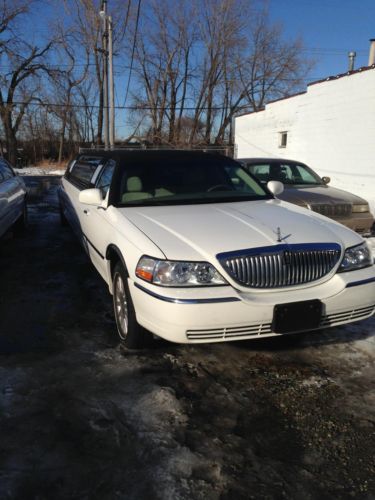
(315, 381)
(39, 171)
(159, 410)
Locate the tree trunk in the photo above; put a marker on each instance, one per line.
(11, 147)
(10, 136)
(62, 135)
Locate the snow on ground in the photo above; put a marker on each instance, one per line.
(46, 170)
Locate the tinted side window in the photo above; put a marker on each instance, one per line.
(83, 171)
(106, 177)
(305, 175)
(261, 172)
(259, 169)
(287, 173)
(69, 167)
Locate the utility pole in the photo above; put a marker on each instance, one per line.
(111, 86)
(103, 15)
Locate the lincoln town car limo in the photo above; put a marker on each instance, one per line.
(194, 249)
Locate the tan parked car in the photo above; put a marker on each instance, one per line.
(305, 188)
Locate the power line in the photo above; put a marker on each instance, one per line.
(326, 50)
(133, 108)
(7, 67)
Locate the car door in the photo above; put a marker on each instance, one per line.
(96, 226)
(80, 175)
(12, 197)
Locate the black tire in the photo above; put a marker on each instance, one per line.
(132, 335)
(21, 224)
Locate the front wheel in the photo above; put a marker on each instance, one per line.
(131, 334)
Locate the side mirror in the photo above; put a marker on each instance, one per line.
(276, 187)
(326, 180)
(91, 197)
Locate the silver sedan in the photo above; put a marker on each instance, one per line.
(13, 208)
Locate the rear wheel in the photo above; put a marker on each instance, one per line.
(131, 334)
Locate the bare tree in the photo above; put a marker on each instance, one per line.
(26, 63)
(67, 82)
(87, 95)
(203, 61)
(197, 63)
(9, 12)
(221, 24)
(163, 67)
(88, 26)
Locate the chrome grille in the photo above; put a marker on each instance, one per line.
(336, 210)
(230, 333)
(281, 265)
(265, 329)
(347, 316)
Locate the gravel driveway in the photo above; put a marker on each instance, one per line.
(82, 418)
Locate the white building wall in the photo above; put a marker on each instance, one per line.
(331, 127)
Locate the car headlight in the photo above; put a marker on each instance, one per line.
(356, 258)
(178, 273)
(361, 208)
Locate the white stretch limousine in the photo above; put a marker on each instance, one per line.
(194, 249)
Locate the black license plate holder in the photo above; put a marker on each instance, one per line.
(297, 316)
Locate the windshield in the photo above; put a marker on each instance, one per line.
(287, 173)
(185, 180)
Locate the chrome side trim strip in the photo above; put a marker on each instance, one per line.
(92, 246)
(186, 301)
(362, 282)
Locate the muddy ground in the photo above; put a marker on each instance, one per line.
(82, 418)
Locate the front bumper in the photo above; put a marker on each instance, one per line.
(371, 243)
(221, 314)
(360, 223)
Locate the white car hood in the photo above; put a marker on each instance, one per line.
(200, 232)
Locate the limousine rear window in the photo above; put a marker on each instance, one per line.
(71, 165)
(85, 170)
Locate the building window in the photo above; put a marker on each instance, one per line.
(283, 139)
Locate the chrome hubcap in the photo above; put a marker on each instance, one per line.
(121, 307)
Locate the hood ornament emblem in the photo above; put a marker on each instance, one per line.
(281, 238)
